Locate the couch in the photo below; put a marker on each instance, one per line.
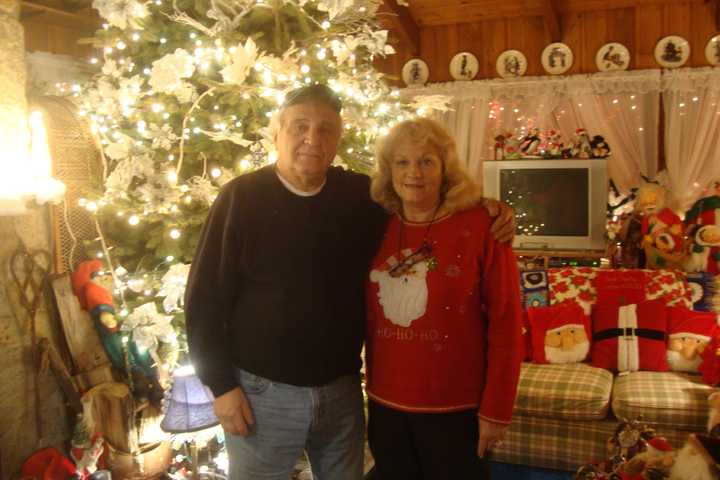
(565, 413)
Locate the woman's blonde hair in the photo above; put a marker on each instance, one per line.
(457, 191)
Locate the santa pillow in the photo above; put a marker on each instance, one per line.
(630, 337)
(689, 333)
(560, 334)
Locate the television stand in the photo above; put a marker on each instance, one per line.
(529, 259)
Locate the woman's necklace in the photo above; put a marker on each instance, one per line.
(424, 253)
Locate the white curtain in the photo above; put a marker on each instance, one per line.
(482, 109)
(691, 99)
(624, 109)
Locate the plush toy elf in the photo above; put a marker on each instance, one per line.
(97, 301)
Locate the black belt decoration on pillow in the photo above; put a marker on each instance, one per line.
(629, 332)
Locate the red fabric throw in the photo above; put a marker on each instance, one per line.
(630, 337)
(558, 325)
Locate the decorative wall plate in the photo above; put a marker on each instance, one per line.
(464, 66)
(415, 72)
(712, 50)
(557, 58)
(672, 51)
(511, 63)
(612, 56)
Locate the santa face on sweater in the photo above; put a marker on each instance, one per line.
(684, 351)
(403, 298)
(566, 344)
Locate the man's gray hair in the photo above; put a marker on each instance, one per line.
(318, 92)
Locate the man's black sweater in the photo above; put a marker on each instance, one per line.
(277, 283)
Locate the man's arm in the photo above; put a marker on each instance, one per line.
(503, 226)
(210, 299)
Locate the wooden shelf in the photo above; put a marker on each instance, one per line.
(544, 256)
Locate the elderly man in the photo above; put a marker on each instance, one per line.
(275, 301)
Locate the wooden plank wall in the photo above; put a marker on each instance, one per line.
(638, 28)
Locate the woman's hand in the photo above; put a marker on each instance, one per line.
(491, 436)
(503, 227)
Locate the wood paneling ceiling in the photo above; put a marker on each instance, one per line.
(405, 22)
(444, 12)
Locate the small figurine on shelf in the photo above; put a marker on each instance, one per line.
(554, 144)
(600, 148)
(531, 143)
(511, 148)
(499, 149)
(581, 147)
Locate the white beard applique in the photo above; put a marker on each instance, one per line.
(679, 363)
(577, 354)
(403, 298)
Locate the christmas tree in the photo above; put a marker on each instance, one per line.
(183, 103)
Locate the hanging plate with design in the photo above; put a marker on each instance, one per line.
(415, 72)
(557, 58)
(712, 50)
(511, 63)
(612, 56)
(464, 66)
(672, 51)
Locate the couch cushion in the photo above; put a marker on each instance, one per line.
(666, 399)
(574, 391)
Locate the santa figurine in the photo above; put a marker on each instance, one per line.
(581, 147)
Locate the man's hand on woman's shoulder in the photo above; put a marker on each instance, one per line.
(503, 226)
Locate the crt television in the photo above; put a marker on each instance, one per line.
(559, 204)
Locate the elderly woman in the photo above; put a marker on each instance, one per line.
(444, 318)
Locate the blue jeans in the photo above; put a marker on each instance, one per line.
(326, 421)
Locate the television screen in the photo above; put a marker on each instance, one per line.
(548, 201)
